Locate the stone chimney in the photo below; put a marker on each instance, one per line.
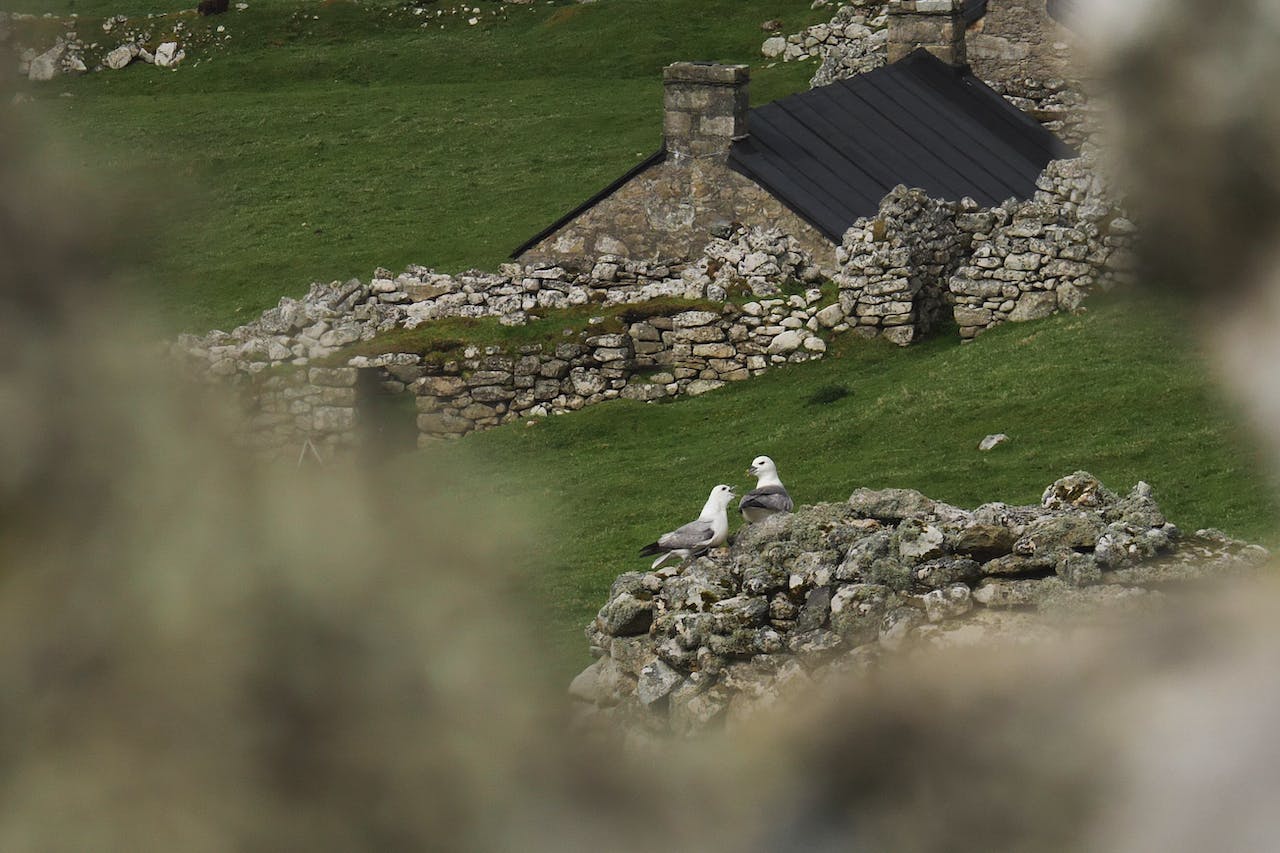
(935, 25)
(705, 108)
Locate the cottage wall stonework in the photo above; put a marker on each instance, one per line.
(1017, 40)
(671, 211)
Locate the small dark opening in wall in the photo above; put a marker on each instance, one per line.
(387, 414)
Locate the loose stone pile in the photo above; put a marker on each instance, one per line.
(835, 587)
(70, 54)
(1047, 254)
(758, 260)
(853, 41)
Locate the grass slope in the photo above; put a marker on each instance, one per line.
(325, 139)
(1116, 392)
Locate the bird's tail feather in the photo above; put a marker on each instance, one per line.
(651, 548)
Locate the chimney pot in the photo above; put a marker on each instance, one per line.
(936, 25)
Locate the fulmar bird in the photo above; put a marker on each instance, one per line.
(696, 537)
(769, 497)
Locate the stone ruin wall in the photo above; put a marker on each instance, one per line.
(662, 356)
(835, 589)
(1034, 258)
(921, 260)
(895, 267)
(679, 353)
(671, 210)
(917, 264)
(1016, 48)
(665, 351)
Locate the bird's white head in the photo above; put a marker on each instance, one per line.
(721, 495)
(762, 466)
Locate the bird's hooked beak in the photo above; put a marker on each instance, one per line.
(752, 470)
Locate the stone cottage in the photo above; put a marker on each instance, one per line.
(813, 163)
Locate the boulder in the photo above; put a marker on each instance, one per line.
(787, 342)
(121, 56)
(168, 54)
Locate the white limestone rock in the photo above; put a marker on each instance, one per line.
(169, 54)
(121, 56)
(47, 65)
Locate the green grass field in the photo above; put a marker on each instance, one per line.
(322, 140)
(1118, 391)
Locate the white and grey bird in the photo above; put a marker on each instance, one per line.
(769, 497)
(697, 537)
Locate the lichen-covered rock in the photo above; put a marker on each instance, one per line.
(857, 611)
(1080, 489)
(1079, 569)
(944, 572)
(890, 504)
(982, 540)
(835, 588)
(626, 615)
(1059, 531)
(949, 603)
(656, 681)
(918, 541)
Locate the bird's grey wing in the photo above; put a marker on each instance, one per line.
(695, 534)
(771, 498)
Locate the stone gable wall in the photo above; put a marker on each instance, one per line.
(671, 210)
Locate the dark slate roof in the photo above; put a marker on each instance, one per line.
(832, 153)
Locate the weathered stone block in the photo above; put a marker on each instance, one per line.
(443, 424)
(331, 419)
(332, 377)
(1034, 306)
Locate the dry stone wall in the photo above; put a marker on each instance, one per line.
(1031, 259)
(659, 356)
(312, 413)
(895, 267)
(836, 588)
(1061, 105)
(919, 262)
(1015, 48)
(337, 314)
